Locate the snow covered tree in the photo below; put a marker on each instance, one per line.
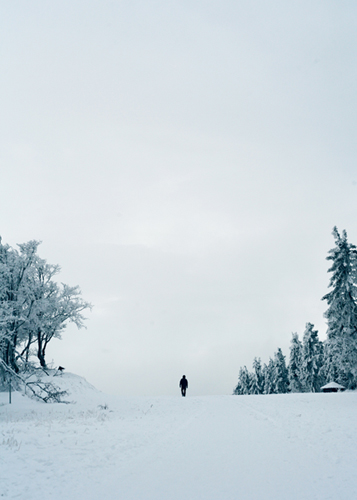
(42, 291)
(294, 366)
(311, 360)
(55, 306)
(341, 344)
(281, 373)
(269, 377)
(16, 268)
(257, 381)
(244, 382)
(33, 307)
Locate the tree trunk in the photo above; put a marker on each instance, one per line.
(10, 356)
(40, 353)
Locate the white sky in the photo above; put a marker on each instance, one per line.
(185, 163)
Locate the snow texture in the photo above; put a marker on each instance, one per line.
(269, 447)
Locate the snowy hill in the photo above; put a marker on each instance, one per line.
(281, 447)
(77, 389)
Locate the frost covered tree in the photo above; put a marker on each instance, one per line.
(269, 377)
(257, 378)
(33, 307)
(244, 382)
(56, 305)
(250, 382)
(294, 366)
(16, 269)
(313, 363)
(281, 373)
(311, 360)
(341, 315)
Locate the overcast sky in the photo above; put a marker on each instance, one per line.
(185, 163)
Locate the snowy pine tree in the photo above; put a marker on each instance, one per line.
(257, 378)
(281, 373)
(244, 382)
(311, 360)
(269, 378)
(294, 367)
(341, 344)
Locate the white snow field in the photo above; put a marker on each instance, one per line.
(296, 446)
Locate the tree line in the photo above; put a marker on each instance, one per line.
(313, 363)
(34, 307)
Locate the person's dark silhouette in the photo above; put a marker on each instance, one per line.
(183, 384)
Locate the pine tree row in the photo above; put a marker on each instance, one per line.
(313, 363)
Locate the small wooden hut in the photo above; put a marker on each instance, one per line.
(333, 387)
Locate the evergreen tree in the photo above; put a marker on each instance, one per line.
(244, 382)
(311, 360)
(257, 381)
(281, 373)
(294, 367)
(269, 378)
(341, 344)
(238, 391)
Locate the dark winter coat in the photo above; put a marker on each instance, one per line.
(184, 383)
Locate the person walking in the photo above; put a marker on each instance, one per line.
(183, 384)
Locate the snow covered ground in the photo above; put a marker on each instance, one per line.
(297, 446)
